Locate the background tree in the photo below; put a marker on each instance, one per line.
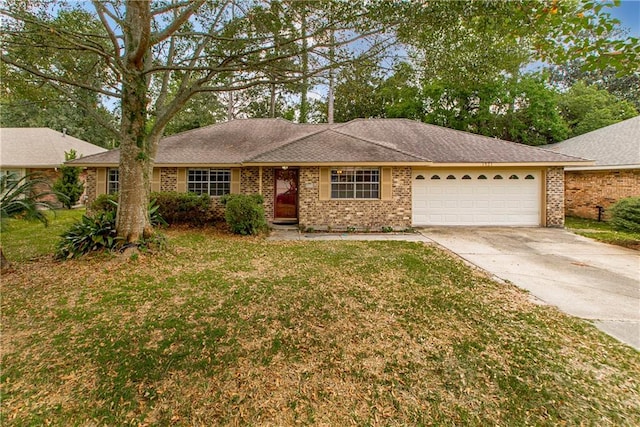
(32, 100)
(587, 108)
(69, 183)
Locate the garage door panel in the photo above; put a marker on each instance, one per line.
(477, 201)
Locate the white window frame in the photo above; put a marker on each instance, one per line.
(19, 174)
(355, 183)
(113, 180)
(214, 182)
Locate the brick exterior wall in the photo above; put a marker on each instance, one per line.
(90, 190)
(555, 197)
(168, 179)
(50, 175)
(584, 190)
(361, 214)
(269, 190)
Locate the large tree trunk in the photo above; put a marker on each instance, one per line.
(132, 221)
(137, 145)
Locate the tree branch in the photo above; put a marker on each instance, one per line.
(59, 79)
(101, 11)
(177, 23)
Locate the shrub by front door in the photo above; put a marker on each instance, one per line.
(286, 195)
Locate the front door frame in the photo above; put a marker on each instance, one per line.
(286, 218)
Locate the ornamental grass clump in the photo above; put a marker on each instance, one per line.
(625, 214)
(90, 234)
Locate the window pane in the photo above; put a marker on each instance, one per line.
(359, 183)
(214, 182)
(113, 181)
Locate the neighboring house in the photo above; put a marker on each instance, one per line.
(367, 173)
(615, 174)
(29, 150)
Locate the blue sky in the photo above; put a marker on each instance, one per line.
(629, 15)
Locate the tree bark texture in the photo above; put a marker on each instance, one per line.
(137, 146)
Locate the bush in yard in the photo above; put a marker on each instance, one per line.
(183, 208)
(91, 233)
(69, 182)
(625, 214)
(105, 203)
(244, 213)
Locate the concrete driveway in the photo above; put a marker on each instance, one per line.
(582, 277)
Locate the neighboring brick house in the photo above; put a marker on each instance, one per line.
(366, 174)
(24, 151)
(615, 174)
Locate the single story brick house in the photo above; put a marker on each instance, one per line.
(25, 151)
(615, 174)
(366, 174)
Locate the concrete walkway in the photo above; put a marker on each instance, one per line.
(582, 277)
(291, 234)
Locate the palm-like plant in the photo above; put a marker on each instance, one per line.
(24, 198)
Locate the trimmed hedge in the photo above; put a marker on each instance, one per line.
(175, 208)
(625, 214)
(244, 213)
(184, 208)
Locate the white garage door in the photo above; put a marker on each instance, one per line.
(499, 197)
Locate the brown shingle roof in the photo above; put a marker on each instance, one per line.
(615, 145)
(267, 141)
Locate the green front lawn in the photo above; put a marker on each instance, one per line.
(27, 240)
(602, 231)
(241, 331)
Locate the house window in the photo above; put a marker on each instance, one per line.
(482, 177)
(214, 182)
(497, 177)
(451, 177)
(12, 176)
(529, 177)
(514, 177)
(466, 177)
(435, 177)
(113, 181)
(355, 183)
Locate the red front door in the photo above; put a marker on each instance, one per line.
(285, 205)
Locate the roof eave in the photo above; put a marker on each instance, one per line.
(334, 163)
(512, 164)
(602, 167)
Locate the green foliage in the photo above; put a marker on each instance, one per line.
(244, 213)
(69, 182)
(517, 108)
(184, 208)
(29, 102)
(90, 234)
(625, 86)
(105, 203)
(587, 108)
(25, 197)
(625, 214)
(167, 208)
